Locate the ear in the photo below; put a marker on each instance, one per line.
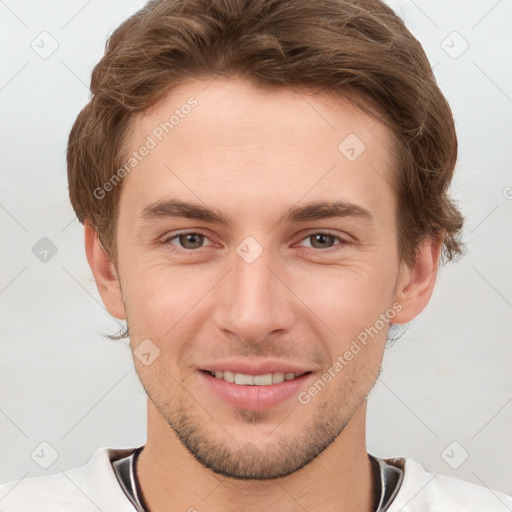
(416, 282)
(104, 272)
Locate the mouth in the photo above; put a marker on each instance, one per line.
(244, 379)
(254, 392)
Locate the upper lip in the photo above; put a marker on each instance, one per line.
(255, 368)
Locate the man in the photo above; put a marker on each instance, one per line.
(262, 185)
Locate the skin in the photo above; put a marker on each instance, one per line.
(252, 153)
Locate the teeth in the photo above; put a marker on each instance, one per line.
(277, 377)
(241, 378)
(227, 376)
(262, 380)
(253, 380)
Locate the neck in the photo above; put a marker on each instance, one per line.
(340, 478)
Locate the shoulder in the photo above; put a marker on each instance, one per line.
(422, 491)
(88, 488)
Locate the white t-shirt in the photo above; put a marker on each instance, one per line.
(95, 487)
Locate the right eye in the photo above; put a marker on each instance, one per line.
(188, 240)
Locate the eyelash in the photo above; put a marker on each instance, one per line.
(342, 243)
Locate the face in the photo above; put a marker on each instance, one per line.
(254, 238)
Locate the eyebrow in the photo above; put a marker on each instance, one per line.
(316, 210)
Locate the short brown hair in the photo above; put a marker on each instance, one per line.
(359, 48)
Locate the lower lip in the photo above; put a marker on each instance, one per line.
(254, 397)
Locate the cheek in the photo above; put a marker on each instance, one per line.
(348, 298)
(162, 300)
(148, 294)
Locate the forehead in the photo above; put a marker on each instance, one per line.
(235, 144)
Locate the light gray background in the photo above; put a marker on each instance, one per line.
(447, 379)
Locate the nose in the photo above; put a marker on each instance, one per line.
(254, 301)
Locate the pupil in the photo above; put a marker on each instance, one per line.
(189, 239)
(322, 239)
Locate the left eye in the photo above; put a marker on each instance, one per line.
(320, 240)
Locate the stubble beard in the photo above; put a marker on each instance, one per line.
(244, 460)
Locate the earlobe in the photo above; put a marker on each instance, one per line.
(416, 282)
(104, 273)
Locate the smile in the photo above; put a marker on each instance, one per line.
(256, 392)
(253, 380)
